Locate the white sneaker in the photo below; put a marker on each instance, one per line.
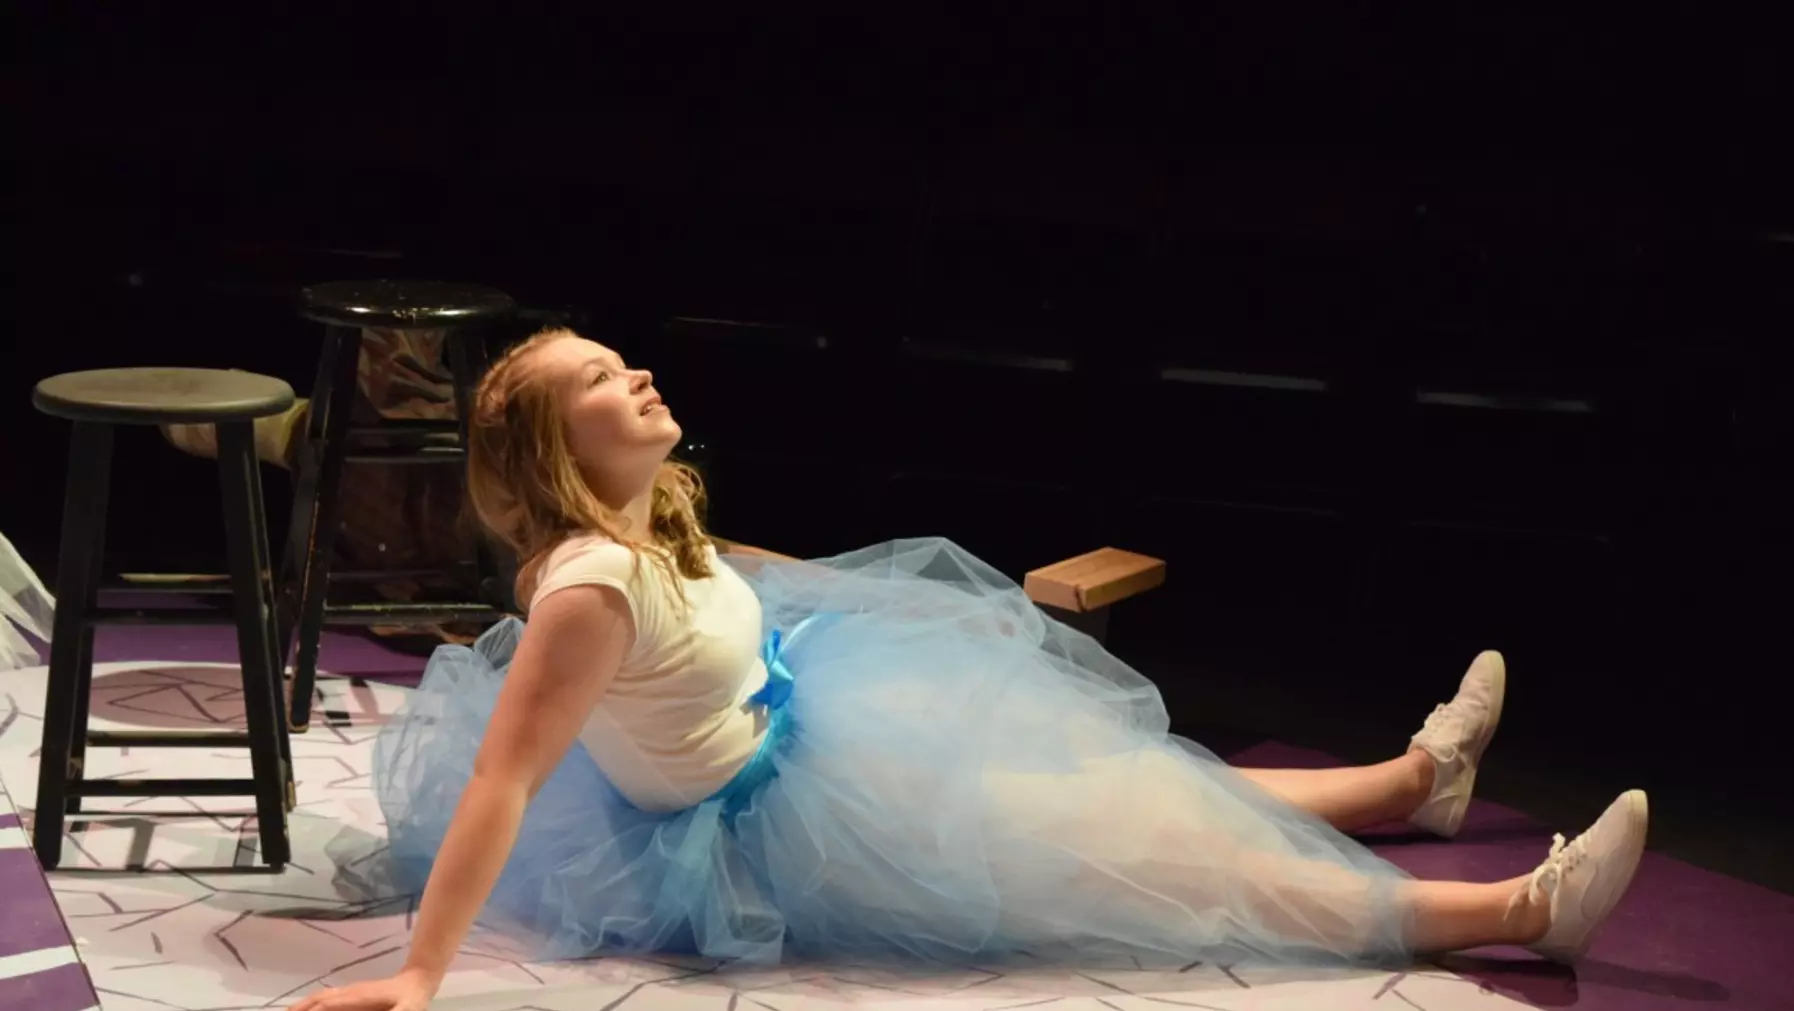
(1456, 735)
(1585, 879)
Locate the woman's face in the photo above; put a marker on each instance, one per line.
(617, 427)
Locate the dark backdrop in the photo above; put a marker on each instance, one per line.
(1396, 339)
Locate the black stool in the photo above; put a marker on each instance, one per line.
(345, 308)
(95, 402)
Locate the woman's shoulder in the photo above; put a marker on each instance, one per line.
(588, 545)
(577, 558)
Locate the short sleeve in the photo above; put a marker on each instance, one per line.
(589, 561)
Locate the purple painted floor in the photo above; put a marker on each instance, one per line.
(341, 653)
(39, 968)
(1684, 938)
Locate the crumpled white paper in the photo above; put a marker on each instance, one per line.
(25, 606)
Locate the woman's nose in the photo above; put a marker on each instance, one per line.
(643, 379)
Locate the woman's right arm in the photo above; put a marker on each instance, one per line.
(571, 649)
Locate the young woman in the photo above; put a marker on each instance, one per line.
(890, 753)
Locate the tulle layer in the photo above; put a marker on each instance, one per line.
(957, 777)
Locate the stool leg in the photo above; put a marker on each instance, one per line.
(311, 537)
(272, 639)
(467, 362)
(71, 637)
(253, 592)
(96, 572)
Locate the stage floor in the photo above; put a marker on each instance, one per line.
(169, 912)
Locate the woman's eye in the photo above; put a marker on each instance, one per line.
(600, 377)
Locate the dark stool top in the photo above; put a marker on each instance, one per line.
(155, 396)
(402, 304)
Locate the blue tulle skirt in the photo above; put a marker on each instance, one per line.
(953, 776)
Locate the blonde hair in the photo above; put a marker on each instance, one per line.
(526, 488)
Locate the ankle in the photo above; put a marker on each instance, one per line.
(1527, 916)
(1423, 773)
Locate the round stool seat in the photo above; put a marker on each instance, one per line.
(158, 396)
(402, 304)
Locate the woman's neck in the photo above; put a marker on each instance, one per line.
(630, 502)
(638, 517)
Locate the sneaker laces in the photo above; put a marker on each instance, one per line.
(1448, 720)
(1549, 876)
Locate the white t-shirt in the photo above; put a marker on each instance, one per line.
(676, 724)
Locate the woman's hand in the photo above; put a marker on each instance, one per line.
(408, 991)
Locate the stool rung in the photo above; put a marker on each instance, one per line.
(163, 788)
(158, 616)
(406, 428)
(382, 575)
(159, 582)
(172, 589)
(166, 739)
(404, 454)
(402, 614)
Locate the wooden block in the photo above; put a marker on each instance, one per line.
(1094, 580)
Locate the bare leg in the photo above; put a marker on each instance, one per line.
(1443, 757)
(1141, 850)
(1581, 881)
(1355, 798)
(1340, 909)
(1453, 916)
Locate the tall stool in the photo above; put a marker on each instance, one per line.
(97, 402)
(465, 311)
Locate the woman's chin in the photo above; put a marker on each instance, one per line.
(665, 429)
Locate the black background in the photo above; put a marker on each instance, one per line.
(1504, 206)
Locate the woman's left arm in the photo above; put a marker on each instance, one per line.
(727, 547)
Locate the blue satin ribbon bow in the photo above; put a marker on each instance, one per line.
(774, 694)
(779, 679)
